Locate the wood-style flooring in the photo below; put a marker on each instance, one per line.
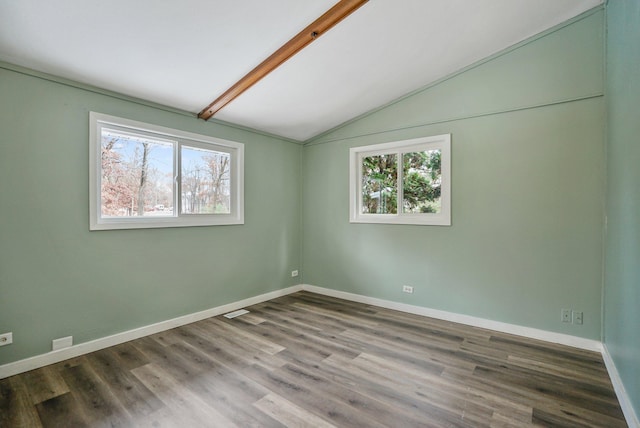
(307, 360)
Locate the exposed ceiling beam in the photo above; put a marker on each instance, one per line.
(337, 13)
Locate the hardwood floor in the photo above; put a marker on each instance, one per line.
(307, 360)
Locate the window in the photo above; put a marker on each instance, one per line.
(144, 176)
(403, 182)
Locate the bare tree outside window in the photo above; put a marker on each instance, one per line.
(205, 181)
(144, 175)
(136, 176)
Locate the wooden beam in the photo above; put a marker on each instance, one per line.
(337, 13)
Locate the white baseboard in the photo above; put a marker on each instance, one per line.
(623, 398)
(52, 357)
(42, 360)
(533, 333)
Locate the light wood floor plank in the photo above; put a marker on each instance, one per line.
(288, 413)
(128, 390)
(233, 329)
(99, 405)
(185, 405)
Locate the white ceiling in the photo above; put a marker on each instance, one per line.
(185, 53)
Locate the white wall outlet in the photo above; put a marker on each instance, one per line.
(294, 273)
(63, 342)
(6, 339)
(577, 317)
(565, 315)
(407, 289)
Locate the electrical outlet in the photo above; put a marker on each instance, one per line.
(565, 315)
(63, 342)
(294, 273)
(6, 339)
(407, 289)
(577, 317)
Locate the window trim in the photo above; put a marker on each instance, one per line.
(356, 154)
(189, 139)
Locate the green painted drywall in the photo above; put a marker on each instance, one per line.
(562, 65)
(527, 195)
(525, 239)
(622, 268)
(57, 278)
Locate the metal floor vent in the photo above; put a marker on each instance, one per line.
(236, 313)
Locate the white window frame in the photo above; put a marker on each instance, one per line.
(236, 151)
(356, 154)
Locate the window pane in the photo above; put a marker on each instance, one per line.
(379, 184)
(422, 178)
(205, 181)
(137, 176)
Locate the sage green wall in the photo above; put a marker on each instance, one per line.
(57, 278)
(526, 238)
(622, 279)
(527, 191)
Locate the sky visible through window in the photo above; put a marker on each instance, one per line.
(138, 177)
(205, 181)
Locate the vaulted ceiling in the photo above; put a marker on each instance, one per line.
(186, 53)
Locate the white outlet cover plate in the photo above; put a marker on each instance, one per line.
(6, 339)
(63, 342)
